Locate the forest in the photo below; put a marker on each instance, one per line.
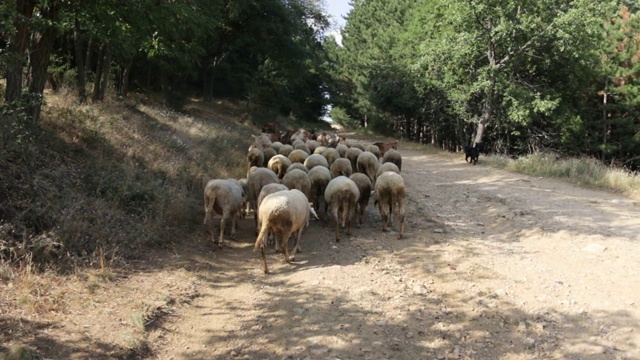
(517, 76)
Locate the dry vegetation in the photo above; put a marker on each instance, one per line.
(97, 187)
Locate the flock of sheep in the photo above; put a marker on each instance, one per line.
(295, 175)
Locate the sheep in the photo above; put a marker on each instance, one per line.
(342, 149)
(319, 177)
(387, 167)
(297, 179)
(245, 204)
(341, 167)
(224, 197)
(283, 213)
(312, 145)
(268, 154)
(298, 156)
(352, 154)
(375, 150)
(279, 165)
(319, 150)
(342, 194)
(384, 147)
(302, 147)
(257, 178)
(276, 145)
(285, 150)
(390, 197)
(296, 143)
(368, 164)
(316, 160)
(357, 146)
(393, 156)
(297, 166)
(260, 141)
(268, 190)
(301, 134)
(364, 185)
(255, 157)
(331, 155)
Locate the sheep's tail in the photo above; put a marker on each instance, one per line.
(260, 239)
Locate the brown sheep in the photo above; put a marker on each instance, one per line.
(384, 147)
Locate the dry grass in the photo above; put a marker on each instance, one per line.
(583, 171)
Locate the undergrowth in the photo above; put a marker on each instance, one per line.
(109, 178)
(584, 171)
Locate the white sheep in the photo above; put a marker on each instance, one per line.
(298, 155)
(297, 179)
(342, 149)
(316, 160)
(352, 154)
(331, 155)
(297, 166)
(302, 147)
(319, 177)
(368, 164)
(285, 150)
(393, 156)
(279, 165)
(257, 178)
(268, 190)
(364, 185)
(320, 149)
(390, 193)
(224, 197)
(312, 145)
(342, 194)
(387, 167)
(283, 213)
(276, 145)
(341, 167)
(374, 149)
(268, 154)
(255, 157)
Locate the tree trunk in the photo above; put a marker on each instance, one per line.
(487, 110)
(79, 53)
(123, 89)
(16, 58)
(98, 76)
(40, 50)
(106, 66)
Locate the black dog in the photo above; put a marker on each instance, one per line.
(471, 154)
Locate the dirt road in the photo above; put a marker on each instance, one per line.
(494, 265)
